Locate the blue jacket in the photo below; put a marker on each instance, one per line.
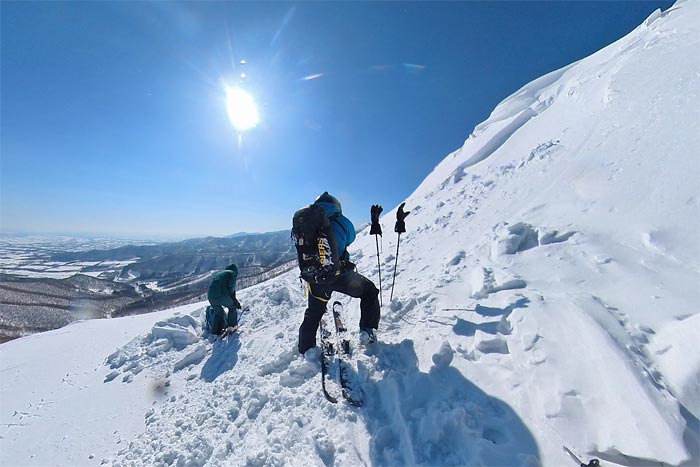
(342, 227)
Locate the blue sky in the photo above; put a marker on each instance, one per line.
(114, 116)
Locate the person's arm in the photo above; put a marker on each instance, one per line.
(348, 231)
(232, 290)
(236, 303)
(340, 235)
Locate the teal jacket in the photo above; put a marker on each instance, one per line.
(223, 285)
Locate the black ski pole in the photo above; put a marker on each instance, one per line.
(396, 265)
(379, 267)
(399, 228)
(375, 230)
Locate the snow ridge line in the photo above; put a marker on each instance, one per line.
(499, 139)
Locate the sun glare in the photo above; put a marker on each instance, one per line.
(241, 108)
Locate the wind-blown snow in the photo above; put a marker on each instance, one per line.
(546, 295)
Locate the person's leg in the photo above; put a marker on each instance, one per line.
(232, 315)
(358, 286)
(218, 315)
(318, 298)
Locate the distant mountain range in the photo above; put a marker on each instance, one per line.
(134, 279)
(274, 243)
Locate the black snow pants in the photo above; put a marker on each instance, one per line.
(350, 283)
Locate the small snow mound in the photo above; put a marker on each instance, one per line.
(444, 356)
(179, 336)
(111, 376)
(174, 334)
(180, 330)
(487, 343)
(301, 370)
(553, 236)
(325, 448)
(458, 257)
(313, 354)
(280, 296)
(191, 358)
(279, 364)
(522, 236)
(485, 281)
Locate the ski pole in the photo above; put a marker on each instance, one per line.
(399, 228)
(376, 229)
(396, 265)
(379, 267)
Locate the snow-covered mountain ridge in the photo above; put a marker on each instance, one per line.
(546, 295)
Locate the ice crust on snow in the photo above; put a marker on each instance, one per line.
(546, 294)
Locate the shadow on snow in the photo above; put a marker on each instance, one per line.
(467, 328)
(224, 357)
(488, 311)
(438, 418)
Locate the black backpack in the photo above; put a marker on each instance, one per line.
(317, 249)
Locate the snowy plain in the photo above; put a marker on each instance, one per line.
(547, 294)
(30, 255)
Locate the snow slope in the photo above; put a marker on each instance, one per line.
(546, 294)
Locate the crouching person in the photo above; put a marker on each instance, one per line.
(222, 293)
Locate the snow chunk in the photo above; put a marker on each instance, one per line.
(192, 358)
(325, 448)
(444, 356)
(487, 343)
(458, 257)
(522, 237)
(280, 296)
(179, 336)
(672, 348)
(279, 364)
(519, 237)
(180, 330)
(485, 281)
(294, 369)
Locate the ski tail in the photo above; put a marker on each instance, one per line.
(350, 389)
(327, 352)
(592, 463)
(340, 329)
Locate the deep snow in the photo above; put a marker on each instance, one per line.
(546, 294)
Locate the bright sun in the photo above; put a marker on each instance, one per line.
(241, 108)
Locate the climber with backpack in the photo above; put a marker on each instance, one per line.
(321, 235)
(222, 293)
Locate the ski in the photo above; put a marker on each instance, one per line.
(327, 352)
(352, 394)
(228, 331)
(592, 463)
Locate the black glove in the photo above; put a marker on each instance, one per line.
(348, 265)
(376, 229)
(236, 303)
(345, 263)
(400, 226)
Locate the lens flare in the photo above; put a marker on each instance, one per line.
(241, 108)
